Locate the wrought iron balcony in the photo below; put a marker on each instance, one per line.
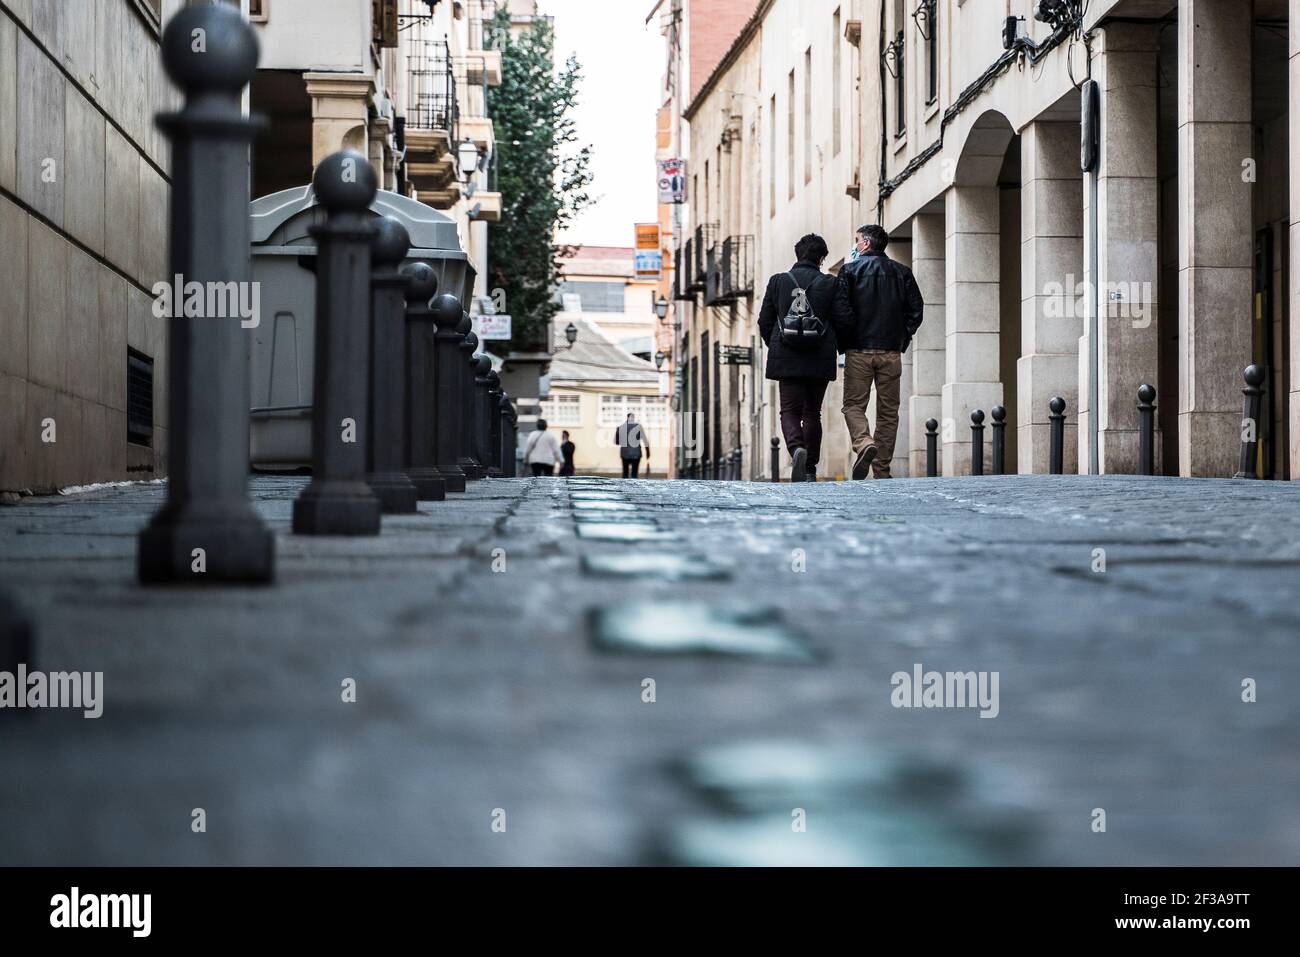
(736, 268)
(432, 104)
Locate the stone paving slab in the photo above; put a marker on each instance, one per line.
(473, 633)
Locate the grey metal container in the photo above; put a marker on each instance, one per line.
(282, 345)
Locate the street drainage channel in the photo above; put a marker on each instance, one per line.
(675, 627)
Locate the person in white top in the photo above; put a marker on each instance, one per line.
(542, 451)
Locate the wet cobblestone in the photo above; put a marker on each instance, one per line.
(471, 631)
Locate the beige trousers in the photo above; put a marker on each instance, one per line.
(863, 369)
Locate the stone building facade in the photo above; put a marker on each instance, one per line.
(84, 181)
(1168, 260)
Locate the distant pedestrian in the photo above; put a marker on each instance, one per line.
(630, 439)
(567, 448)
(887, 311)
(542, 451)
(801, 310)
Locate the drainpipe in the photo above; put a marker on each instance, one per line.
(1089, 129)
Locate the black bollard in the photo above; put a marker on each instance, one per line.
(338, 501)
(740, 464)
(999, 440)
(482, 366)
(15, 638)
(503, 433)
(1147, 430)
(931, 448)
(1254, 393)
(447, 407)
(387, 432)
(776, 459)
(977, 442)
(467, 459)
(510, 441)
(208, 530)
(494, 423)
(421, 469)
(1056, 408)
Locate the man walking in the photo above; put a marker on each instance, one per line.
(887, 311)
(630, 438)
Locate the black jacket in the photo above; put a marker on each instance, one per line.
(887, 304)
(828, 301)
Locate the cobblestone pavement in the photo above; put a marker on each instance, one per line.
(500, 643)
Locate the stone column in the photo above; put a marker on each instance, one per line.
(339, 113)
(1293, 310)
(902, 464)
(973, 318)
(1051, 283)
(1215, 235)
(927, 350)
(1125, 65)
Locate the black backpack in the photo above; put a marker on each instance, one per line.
(800, 328)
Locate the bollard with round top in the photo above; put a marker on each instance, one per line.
(1254, 393)
(999, 440)
(494, 422)
(977, 442)
(510, 439)
(208, 532)
(1056, 419)
(338, 501)
(482, 427)
(421, 284)
(465, 397)
(931, 448)
(387, 452)
(776, 459)
(1147, 429)
(447, 407)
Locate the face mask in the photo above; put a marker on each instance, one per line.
(853, 253)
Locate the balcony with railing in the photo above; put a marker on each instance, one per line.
(736, 268)
(682, 273)
(432, 122)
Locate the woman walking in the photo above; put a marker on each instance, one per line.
(801, 310)
(542, 452)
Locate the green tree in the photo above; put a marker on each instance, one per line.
(543, 174)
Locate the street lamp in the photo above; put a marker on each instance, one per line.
(659, 360)
(468, 155)
(571, 334)
(661, 308)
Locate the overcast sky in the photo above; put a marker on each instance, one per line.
(622, 62)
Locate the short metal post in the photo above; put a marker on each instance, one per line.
(1056, 417)
(421, 469)
(999, 440)
(338, 501)
(387, 432)
(482, 426)
(467, 460)
(776, 459)
(740, 465)
(494, 422)
(447, 406)
(503, 434)
(977, 442)
(15, 638)
(208, 532)
(931, 448)
(1254, 393)
(1147, 430)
